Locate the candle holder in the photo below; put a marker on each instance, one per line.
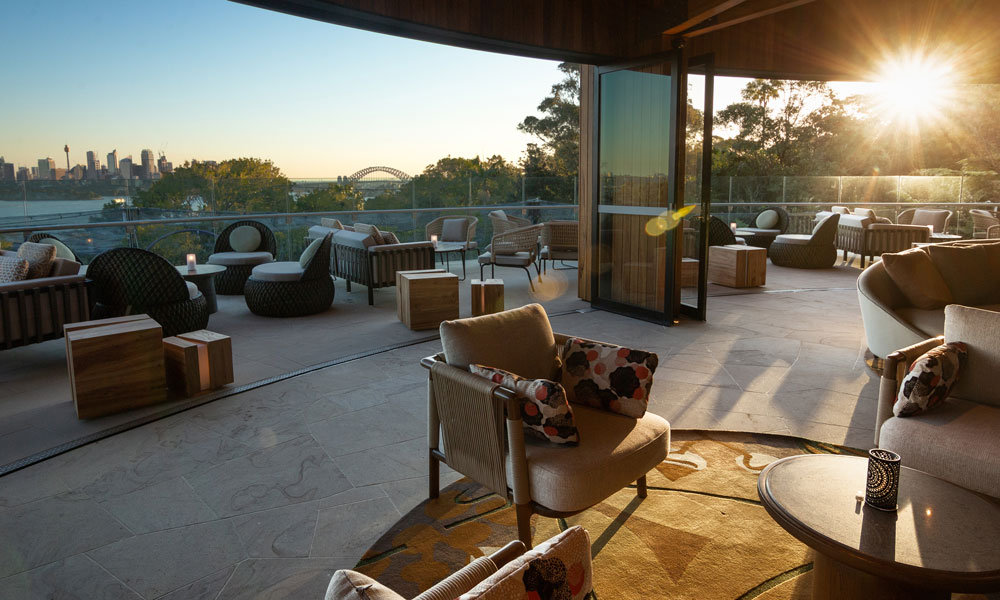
(882, 489)
(733, 227)
(192, 263)
(434, 240)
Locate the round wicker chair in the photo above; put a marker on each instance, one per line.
(232, 280)
(817, 250)
(286, 289)
(131, 281)
(720, 234)
(762, 238)
(38, 237)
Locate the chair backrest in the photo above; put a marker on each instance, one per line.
(561, 235)
(41, 238)
(825, 232)
(319, 265)
(522, 239)
(126, 277)
(937, 219)
(502, 222)
(719, 232)
(267, 241)
(436, 227)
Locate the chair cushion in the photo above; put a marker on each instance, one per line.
(966, 271)
(13, 268)
(365, 228)
(614, 451)
(389, 238)
(499, 214)
(978, 329)
(39, 257)
(351, 585)
(956, 442)
(559, 568)
(193, 291)
(309, 253)
(930, 379)
(797, 239)
(453, 230)
(544, 408)
(767, 219)
(756, 231)
(865, 212)
(843, 210)
(244, 238)
(915, 275)
(240, 258)
(518, 259)
(935, 218)
(62, 250)
(354, 239)
(519, 341)
(331, 223)
(608, 377)
(278, 271)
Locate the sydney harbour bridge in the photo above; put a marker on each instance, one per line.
(371, 181)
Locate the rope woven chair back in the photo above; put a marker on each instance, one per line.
(436, 226)
(719, 233)
(559, 235)
(36, 238)
(267, 241)
(319, 265)
(126, 277)
(524, 239)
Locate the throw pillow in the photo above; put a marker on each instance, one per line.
(351, 585)
(544, 409)
(309, 253)
(62, 250)
(930, 379)
(767, 219)
(389, 237)
(915, 275)
(39, 257)
(609, 377)
(963, 269)
(866, 212)
(371, 230)
(244, 238)
(13, 268)
(843, 210)
(331, 223)
(453, 230)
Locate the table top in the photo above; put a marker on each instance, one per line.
(449, 246)
(941, 536)
(200, 270)
(945, 236)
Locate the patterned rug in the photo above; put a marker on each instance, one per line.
(700, 533)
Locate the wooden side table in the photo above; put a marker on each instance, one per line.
(204, 277)
(424, 299)
(487, 297)
(737, 266)
(115, 364)
(198, 361)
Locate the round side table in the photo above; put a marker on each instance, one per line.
(204, 277)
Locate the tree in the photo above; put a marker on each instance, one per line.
(558, 128)
(240, 185)
(333, 197)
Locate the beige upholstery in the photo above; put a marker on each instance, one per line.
(244, 238)
(64, 290)
(518, 259)
(798, 239)
(351, 585)
(935, 218)
(612, 449)
(980, 330)
(331, 223)
(367, 229)
(519, 341)
(193, 291)
(982, 221)
(240, 258)
(278, 271)
(358, 258)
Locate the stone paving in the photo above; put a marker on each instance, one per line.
(266, 493)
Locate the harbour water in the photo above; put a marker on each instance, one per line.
(13, 209)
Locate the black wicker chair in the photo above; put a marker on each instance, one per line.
(130, 281)
(817, 250)
(311, 293)
(232, 280)
(38, 237)
(719, 233)
(763, 238)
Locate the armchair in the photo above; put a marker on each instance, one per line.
(938, 220)
(766, 225)
(816, 250)
(502, 222)
(984, 224)
(480, 423)
(513, 248)
(357, 258)
(455, 232)
(62, 250)
(241, 247)
(35, 310)
(560, 241)
(292, 288)
(869, 238)
(720, 234)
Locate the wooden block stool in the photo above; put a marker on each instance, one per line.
(115, 364)
(487, 297)
(424, 299)
(198, 361)
(399, 305)
(737, 266)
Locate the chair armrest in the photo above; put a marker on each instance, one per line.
(27, 284)
(472, 574)
(399, 247)
(894, 369)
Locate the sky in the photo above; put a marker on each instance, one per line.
(213, 79)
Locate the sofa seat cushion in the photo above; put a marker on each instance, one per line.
(244, 238)
(614, 451)
(351, 585)
(278, 271)
(795, 239)
(354, 239)
(193, 291)
(518, 340)
(956, 442)
(233, 259)
(756, 231)
(518, 259)
(978, 330)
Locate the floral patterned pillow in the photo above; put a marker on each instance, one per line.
(609, 377)
(544, 410)
(930, 379)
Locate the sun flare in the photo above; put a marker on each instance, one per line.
(915, 88)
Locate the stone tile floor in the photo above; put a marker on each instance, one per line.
(266, 493)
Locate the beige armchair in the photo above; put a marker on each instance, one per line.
(513, 248)
(938, 220)
(475, 425)
(455, 231)
(984, 224)
(502, 222)
(560, 241)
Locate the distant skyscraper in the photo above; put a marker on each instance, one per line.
(93, 165)
(34, 172)
(23, 174)
(148, 164)
(66, 150)
(164, 165)
(77, 172)
(125, 167)
(45, 168)
(113, 162)
(6, 170)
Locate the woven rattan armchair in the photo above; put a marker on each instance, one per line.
(817, 250)
(502, 222)
(130, 281)
(290, 289)
(560, 241)
(436, 227)
(481, 427)
(42, 238)
(514, 248)
(239, 264)
(982, 221)
(937, 219)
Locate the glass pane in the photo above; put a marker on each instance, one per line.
(693, 184)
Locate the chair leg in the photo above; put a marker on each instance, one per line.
(481, 272)
(640, 487)
(529, 278)
(434, 481)
(348, 284)
(493, 270)
(371, 296)
(524, 524)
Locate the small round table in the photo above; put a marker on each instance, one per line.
(204, 277)
(942, 539)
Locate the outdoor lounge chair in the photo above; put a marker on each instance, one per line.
(721, 234)
(62, 250)
(985, 224)
(241, 247)
(869, 236)
(765, 226)
(513, 248)
(816, 250)
(358, 258)
(455, 229)
(131, 281)
(502, 222)
(560, 241)
(293, 288)
(938, 220)
(480, 423)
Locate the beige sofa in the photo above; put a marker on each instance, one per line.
(892, 321)
(869, 236)
(958, 441)
(34, 310)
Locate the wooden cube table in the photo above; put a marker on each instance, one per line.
(487, 296)
(198, 361)
(115, 364)
(424, 299)
(399, 305)
(689, 272)
(737, 266)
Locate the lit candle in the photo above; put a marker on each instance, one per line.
(434, 239)
(733, 227)
(192, 262)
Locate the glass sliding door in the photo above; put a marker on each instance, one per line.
(697, 187)
(634, 165)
